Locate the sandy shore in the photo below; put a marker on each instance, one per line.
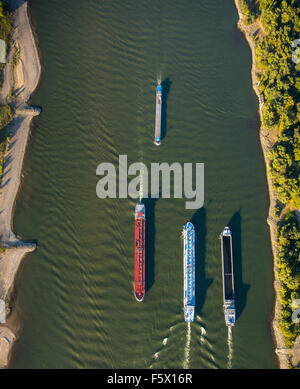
(23, 79)
(267, 143)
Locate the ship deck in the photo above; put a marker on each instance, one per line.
(158, 117)
(139, 276)
(227, 267)
(189, 268)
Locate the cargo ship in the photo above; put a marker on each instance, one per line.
(157, 134)
(189, 272)
(139, 252)
(228, 279)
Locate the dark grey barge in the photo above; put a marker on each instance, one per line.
(157, 134)
(228, 277)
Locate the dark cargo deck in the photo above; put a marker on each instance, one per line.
(227, 266)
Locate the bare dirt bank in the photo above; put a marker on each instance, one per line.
(22, 79)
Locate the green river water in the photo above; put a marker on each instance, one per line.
(101, 63)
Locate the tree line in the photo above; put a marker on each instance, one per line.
(280, 84)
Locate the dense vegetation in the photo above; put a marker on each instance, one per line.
(249, 12)
(5, 110)
(288, 238)
(3, 150)
(5, 118)
(5, 22)
(5, 115)
(280, 85)
(284, 167)
(5, 27)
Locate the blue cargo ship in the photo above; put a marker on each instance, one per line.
(189, 272)
(157, 135)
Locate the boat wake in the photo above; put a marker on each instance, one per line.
(141, 187)
(203, 335)
(156, 355)
(202, 329)
(164, 342)
(230, 348)
(186, 361)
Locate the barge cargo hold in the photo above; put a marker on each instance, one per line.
(157, 135)
(228, 278)
(139, 252)
(189, 272)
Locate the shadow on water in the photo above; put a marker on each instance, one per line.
(251, 124)
(166, 85)
(201, 283)
(15, 5)
(150, 241)
(240, 288)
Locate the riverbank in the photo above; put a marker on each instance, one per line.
(267, 140)
(19, 81)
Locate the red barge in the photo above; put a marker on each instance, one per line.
(139, 252)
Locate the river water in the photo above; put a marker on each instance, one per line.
(101, 63)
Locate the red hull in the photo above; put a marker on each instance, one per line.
(139, 268)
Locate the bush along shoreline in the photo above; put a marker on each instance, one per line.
(6, 113)
(276, 26)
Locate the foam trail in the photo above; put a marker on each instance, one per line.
(164, 342)
(186, 361)
(142, 187)
(230, 348)
(203, 331)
